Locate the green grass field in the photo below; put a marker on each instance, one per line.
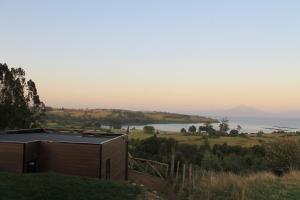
(50, 186)
(246, 141)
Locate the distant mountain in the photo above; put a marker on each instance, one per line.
(240, 111)
(247, 111)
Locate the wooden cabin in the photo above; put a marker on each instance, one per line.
(104, 156)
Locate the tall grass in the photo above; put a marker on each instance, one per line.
(228, 186)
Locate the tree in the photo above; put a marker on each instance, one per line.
(260, 133)
(208, 125)
(234, 132)
(20, 104)
(239, 128)
(192, 129)
(97, 124)
(224, 127)
(183, 130)
(208, 128)
(116, 123)
(149, 129)
(202, 128)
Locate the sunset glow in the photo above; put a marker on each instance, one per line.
(153, 55)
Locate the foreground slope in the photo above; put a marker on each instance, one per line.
(50, 186)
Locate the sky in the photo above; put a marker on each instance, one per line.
(168, 55)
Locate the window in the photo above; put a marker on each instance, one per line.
(107, 169)
(31, 167)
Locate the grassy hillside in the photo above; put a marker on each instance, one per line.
(92, 118)
(50, 186)
(244, 141)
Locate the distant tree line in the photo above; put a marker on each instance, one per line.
(20, 104)
(208, 129)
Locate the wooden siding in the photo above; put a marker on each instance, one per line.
(67, 158)
(11, 157)
(116, 151)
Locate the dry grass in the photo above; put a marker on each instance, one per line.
(225, 186)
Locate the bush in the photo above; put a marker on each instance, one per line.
(260, 133)
(192, 129)
(210, 162)
(153, 148)
(183, 130)
(218, 157)
(149, 129)
(234, 132)
(283, 155)
(116, 124)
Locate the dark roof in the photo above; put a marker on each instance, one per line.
(55, 137)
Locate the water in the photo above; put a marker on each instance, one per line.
(248, 124)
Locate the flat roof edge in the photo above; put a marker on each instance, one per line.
(88, 137)
(20, 131)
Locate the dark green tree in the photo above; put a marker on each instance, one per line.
(183, 130)
(224, 126)
(239, 128)
(192, 129)
(20, 105)
(116, 123)
(234, 132)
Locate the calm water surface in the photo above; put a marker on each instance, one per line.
(248, 124)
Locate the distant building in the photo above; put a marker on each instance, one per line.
(29, 151)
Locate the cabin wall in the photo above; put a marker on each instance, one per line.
(11, 157)
(116, 151)
(69, 158)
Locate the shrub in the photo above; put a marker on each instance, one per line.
(260, 133)
(234, 132)
(210, 162)
(192, 129)
(149, 129)
(283, 155)
(183, 130)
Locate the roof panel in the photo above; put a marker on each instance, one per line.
(55, 137)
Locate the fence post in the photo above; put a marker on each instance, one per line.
(190, 172)
(183, 176)
(167, 171)
(177, 170)
(172, 161)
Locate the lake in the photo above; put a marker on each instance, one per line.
(248, 124)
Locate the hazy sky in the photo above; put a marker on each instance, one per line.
(172, 55)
